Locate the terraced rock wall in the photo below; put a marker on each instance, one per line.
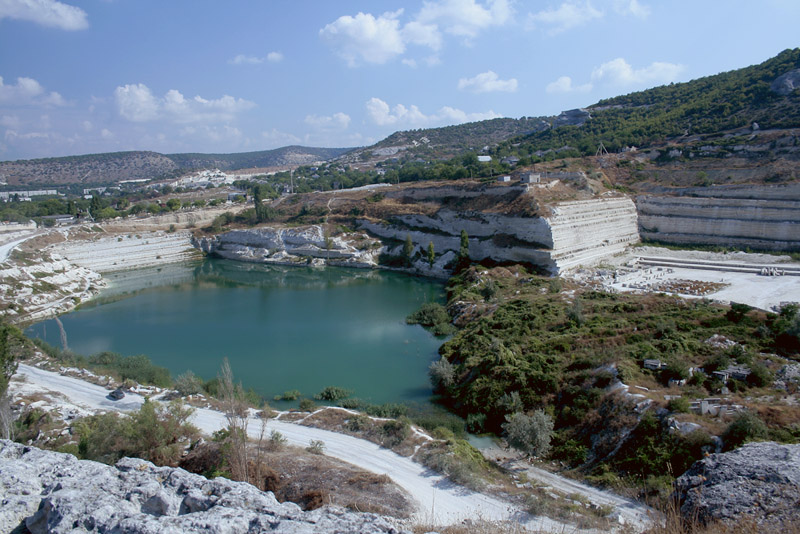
(106, 254)
(760, 217)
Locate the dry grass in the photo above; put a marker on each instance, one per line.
(312, 480)
(674, 523)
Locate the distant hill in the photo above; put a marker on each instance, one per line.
(448, 141)
(113, 167)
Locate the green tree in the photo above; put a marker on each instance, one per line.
(408, 250)
(529, 433)
(173, 204)
(463, 251)
(431, 254)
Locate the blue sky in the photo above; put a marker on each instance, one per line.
(86, 76)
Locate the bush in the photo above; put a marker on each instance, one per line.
(529, 433)
(290, 395)
(333, 394)
(745, 428)
(316, 446)
(429, 314)
(277, 441)
(307, 405)
(189, 384)
(679, 405)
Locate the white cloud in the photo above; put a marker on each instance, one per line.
(28, 91)
(137, 103)
(337, 121)
(567, 16)
(241, 59)
(380, 113)
(418, 33)
(365, 37)
(105, 133)
(632, 7)
(465, 18)
(50, 13)
(564, 85)
(619, 72)
(10, 121)
(487, 82)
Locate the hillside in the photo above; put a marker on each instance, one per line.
(110, 168)
(701, 110)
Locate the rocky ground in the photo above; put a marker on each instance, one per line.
(758, 482)
(51, 492)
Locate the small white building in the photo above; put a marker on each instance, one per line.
(484, 159)
(530, 178)
(504, 179)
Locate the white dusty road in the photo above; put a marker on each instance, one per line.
(439, 501)
(632, 512)
(6, 248)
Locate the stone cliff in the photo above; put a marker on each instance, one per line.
(574, 233)
(760, 217)
(289, 246)
(51, 492)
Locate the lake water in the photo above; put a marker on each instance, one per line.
(280, 328)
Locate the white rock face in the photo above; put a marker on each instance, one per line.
(760, 217)
(55, 493)
(291, 246)
(577, 233)
(128, 251)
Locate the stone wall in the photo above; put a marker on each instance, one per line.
(761, 217)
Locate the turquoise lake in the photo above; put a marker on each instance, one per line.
(281, 328)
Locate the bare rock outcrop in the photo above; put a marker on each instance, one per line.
(759, 482)
(786, 83)
(57, 493)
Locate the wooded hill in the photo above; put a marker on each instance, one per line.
(766, 94)
(110, 168)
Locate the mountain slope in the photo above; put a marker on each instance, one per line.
(703, 107)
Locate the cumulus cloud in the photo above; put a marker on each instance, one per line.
(632, 7)
(337, 121)
(365, 37)
(137, 103)
(564, 85)
(465, 18)
(242, 59)
(565, 17)
(487, 82)
(50, 13)
(28, 91)
(380, 113)
(619, 72)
